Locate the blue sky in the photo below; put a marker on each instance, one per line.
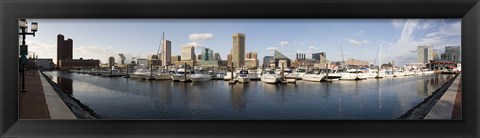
(360, 38)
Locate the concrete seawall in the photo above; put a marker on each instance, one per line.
(439, 105)
(63, 105)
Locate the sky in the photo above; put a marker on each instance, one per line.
(359, 38)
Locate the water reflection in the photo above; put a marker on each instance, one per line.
(139, 99)
(65, 84)
(237, 97)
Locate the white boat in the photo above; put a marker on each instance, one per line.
(311, 76)
(428, 72)
(270, 77)
(243, 76)
(348, 76)
(162, 76)
(228, 76)
(291, 78)
(254, 75)
(200, 77)
(220, 76)
(180, 75)
(140, 74)
(300, 72)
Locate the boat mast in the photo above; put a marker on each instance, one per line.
(161, 48)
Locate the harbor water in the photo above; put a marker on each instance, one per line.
(372, 99)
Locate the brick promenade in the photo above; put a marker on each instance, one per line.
(32, 103)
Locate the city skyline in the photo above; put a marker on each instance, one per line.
(360, 38)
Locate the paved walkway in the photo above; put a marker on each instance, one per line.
(450, 105)
(32, 102)
(41, 101)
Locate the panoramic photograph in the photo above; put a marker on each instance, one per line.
(240, 69)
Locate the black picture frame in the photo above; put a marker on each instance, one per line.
(11, 11)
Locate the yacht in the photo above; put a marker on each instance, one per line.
(200, 77)
(269, 77)
(332, 75)
(311, 76)
(254, 74)
(243, 76)
(181, 74)
(162, 76)
(300, 72)
(291, 78)
(140, 74)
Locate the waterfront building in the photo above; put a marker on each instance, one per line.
(154, 60)
(229, 60)
(441, 64)
(425, 54)
(353, 63)
(251, 60)
(142, 62)
(238, 50)
(322, 63)
(306, 63)
(266, 61)
(317, 56)
(187, 56)
(175, 58)
(188, 53)
(207, 60)
(277, 56)
(64, 49)
(69, 64)
(251, 63)
(44, 63)
(166, 53)
(300, 56)
(452, 53)
(111, 62)
(251, 55)
(122, 59)
(217, 57)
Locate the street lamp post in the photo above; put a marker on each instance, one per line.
(22, 23)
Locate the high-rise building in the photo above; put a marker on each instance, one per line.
(188, 53)
(251, 55)
(229, 60)
(207, 59)
(166, 52)
(238, 50)
(452, 53)
(217, 57)
(425, 54)
(64, 49)
(111, 62)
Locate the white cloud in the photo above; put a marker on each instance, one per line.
(200, 36)
(272, 48)
(312, 47)
(96, 52)
(42, 50)
(398, 23)
(195, 44)
(358, 42)
(283, 43)
(436, 33)
(299, 51)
